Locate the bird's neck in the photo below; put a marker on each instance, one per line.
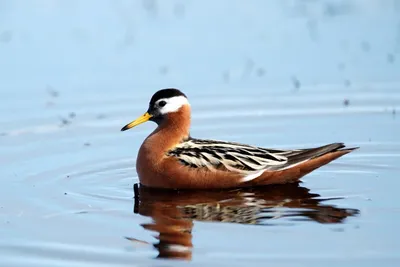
(171, 131)
(176, 126)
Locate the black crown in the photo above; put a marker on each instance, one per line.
(165, 93)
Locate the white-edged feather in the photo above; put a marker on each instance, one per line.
(249, 160)
(244, 159)
(252, 176)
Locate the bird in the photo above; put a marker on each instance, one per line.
(170, 158)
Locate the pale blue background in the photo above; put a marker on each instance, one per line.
(238, 61)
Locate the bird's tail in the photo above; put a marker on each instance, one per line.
(298, 157)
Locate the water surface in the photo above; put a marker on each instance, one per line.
(68, 196)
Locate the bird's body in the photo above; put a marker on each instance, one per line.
(171, 158)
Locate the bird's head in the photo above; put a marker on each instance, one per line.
(162, 104)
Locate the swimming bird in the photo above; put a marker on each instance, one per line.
(171, 158)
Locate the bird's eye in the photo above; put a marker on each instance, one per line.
(162, 103)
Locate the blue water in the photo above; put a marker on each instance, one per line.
(279, 74)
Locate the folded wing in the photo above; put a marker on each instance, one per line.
(241, 158)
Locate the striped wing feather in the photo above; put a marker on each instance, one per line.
(197, 153)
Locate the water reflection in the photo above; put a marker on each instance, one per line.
(173, 212)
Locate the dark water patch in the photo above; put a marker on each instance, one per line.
(6, 36)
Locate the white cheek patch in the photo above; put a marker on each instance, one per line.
(173, 104)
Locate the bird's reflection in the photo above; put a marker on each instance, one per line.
(173, 212)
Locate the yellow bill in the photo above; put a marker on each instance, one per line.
(145, 117)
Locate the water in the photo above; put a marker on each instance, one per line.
(67, 173)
